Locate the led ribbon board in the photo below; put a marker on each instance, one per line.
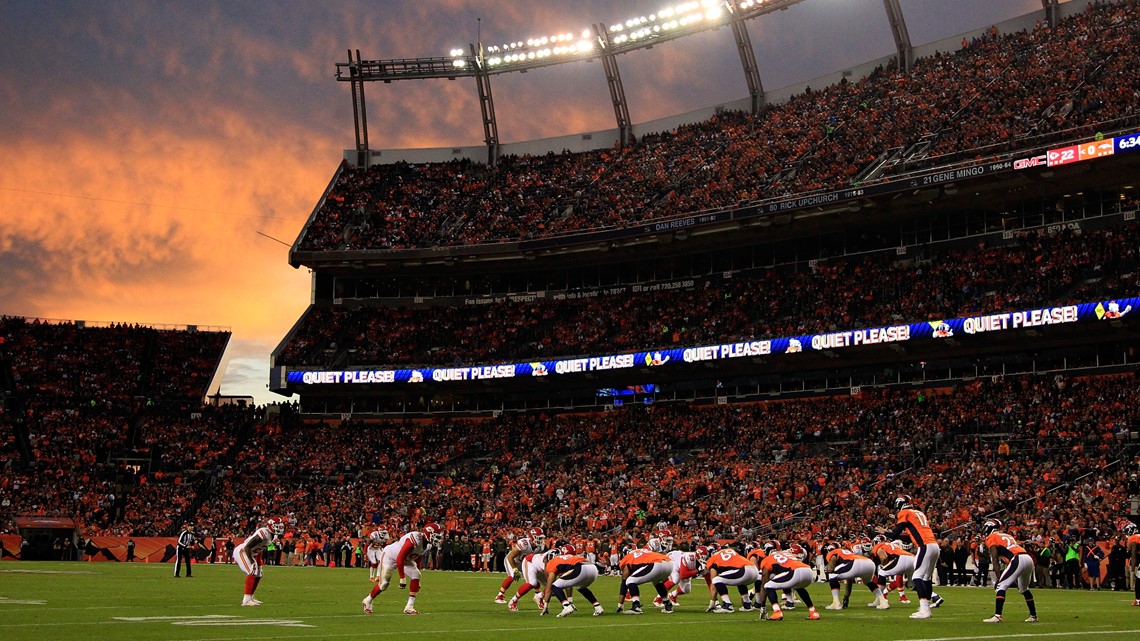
(907, 333)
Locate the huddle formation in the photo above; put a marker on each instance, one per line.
(764, 574)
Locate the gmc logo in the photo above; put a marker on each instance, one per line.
(1026, 163)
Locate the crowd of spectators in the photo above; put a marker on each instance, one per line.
(1032, 269)
(994, 95)
(102, 414)
(1047, 453)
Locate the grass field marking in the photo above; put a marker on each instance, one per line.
(1034, 635)
(281, 623)
(446, 632)
(176, 618)
(47, 572)
(6, 601)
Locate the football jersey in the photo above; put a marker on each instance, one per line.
(841, 554)
(1005, 545)
(526, 545)
(563, 563)
(726, 559)
(757, 555)
(778, 562)
(685, 563)
(259, 540)
(890, 549)
(642, 557)
(411, 547)
(916, 525)
(1134, 540)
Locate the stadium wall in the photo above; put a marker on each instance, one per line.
(605, 139)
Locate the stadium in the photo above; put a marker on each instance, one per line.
(770, 327)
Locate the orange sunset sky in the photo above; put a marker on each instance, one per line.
(144, 144)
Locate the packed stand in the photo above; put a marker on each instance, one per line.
(1034, 269)
(1050, 451)
(996, 94)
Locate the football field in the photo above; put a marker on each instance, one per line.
(128, 602)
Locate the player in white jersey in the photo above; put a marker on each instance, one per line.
(405, 556)
(247, 556)
(686, 565)
(533, 543)
(533, 572)
(375, 552)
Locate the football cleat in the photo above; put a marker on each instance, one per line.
(410, 610)
(538, 600)
(635, 609)
(500, 599)
(921, 614)
(789, 605)
(835, 605)
(567, 610)
(746, 606)
(599, 610)
(777, 615)
(763, 614)
(513, 606)
(367, 606)
(723, 608)
(658, 602)
(994, 619)
(1032, 619)
(875, 603)
(1135, 601)
(936, 601)
(250, 601)
(668, 608)
(813, 615)
(903, 599)
(883, 605)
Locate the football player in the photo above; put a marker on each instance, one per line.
(533, 572)
(374, 552)
(567, 571)
(533, 543)
(1133, 533)
(247, 555)
(686, 565)
(845, 565)
(644, 566)
(1004, 550)
(728, 567)
(779, 571)
(405, 557)
(915, 524)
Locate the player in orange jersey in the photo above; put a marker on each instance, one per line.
(779, 571)
(1133, 543)
(567, 571)
(845, 565)
(644, 566)
(728, 567)
(915, 524)
(1004, 549)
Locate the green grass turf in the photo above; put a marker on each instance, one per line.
(80, 601)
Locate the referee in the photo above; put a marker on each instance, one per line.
(186, 543)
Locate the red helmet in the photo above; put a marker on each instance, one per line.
(569, 548)
(434, 533)
(537, 535)
(797, 551)
(702, 552)
(276, 525)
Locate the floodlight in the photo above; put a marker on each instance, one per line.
(714, 13)
(586, 33)
(459, 63)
